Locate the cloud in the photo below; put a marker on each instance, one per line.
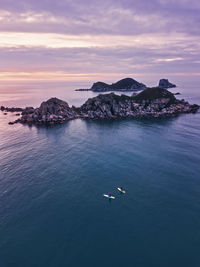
(169, 59)
(54, 40)
(85, 37)
(94, 61)
(101, 17)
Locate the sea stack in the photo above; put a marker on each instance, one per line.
(165, 84)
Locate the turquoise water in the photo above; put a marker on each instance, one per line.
(52, 179)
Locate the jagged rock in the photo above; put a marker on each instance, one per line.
(164, 83)
(52, 111)
(28, 110)
(194, 108)
(105, 106)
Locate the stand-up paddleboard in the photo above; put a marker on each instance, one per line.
(121, 190)
(111, 197)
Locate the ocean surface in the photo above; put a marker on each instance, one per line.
(52, 181)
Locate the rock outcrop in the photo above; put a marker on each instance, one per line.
(152, 102)
(127, 84)
(52, 111)
(165, 84)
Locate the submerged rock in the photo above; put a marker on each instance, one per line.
(164, 83)
(83, 89)
(152, 102)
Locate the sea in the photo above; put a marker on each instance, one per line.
(52, 181)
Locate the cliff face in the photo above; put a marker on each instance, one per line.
(152, 102)
(127, 84)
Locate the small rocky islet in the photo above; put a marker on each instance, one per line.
(165, 84)
(150, 103)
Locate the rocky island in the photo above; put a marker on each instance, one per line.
(127, 84)
(152, 102)
(165, 84)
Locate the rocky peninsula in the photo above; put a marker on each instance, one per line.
(150, 103)
(2, 108)
(127, 84)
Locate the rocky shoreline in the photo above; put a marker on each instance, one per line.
(150, 103)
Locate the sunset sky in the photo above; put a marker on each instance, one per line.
(90, 39)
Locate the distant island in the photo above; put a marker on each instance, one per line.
(150, 103)
(127, 84)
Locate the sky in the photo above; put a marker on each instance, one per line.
(69, 40)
